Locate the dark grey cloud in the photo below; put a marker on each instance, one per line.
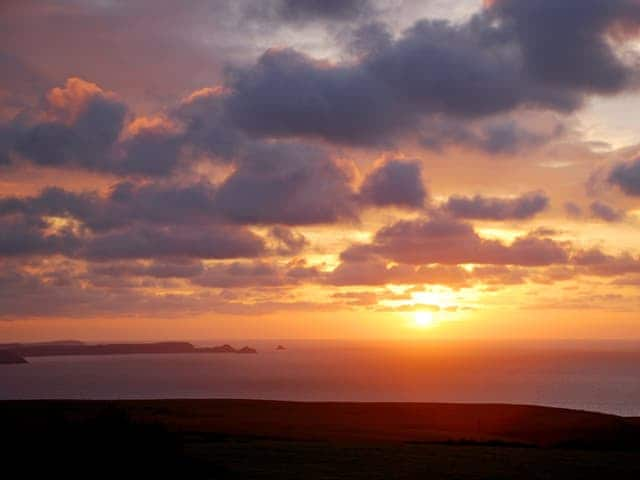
(514, 54)
(627, 177)
(496, 138)
(567, 44)
(243, 274)
(494, 208)
(246, 274)
(171, 268)
(606, 212)
(86, 142)
(206, 126)
(141, 242)
(164, 203)
(81, 126)
(127, 203)
(395, 183)
(424, 72)
(149, 153)
(468, 70)
(288, 242)
(310, 10)
(20, 235)
(289, 94)
(286, 183)
(148, 224)
(283, 183)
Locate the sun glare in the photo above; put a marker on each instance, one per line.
(424, 319)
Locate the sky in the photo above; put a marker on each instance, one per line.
(354, 169)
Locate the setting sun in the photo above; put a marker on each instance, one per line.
(424, 319)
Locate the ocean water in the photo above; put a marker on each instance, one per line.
(598, 376)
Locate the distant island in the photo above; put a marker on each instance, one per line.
(13, 353)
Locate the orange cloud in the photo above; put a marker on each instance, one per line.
(67, 103)
(217, 91)
(155, 124)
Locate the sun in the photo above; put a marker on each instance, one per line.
(423, 319)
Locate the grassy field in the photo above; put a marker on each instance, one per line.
(285, 440)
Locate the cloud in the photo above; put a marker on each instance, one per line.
(515, 54)
(248, 274)
(80, 126)
(431, 80)
(606, 212)
(372, 269)
(28, 295)
(172, 268)
(447, 241)
(568, 45)
(357, 298)
(287, 241)
(310, 10)
(146, 231)
(478, 207)
(286, 93)
(126, 204)
(395, 183)
(596, 262)
(287, 183)
(206, 124)
(27, 236)
(627, 177)
(244, 274)
(275, 184)
(139, 242)
(504, 137)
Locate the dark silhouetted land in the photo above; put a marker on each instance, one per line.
(78, 348)
(287, 440)
(8, 357)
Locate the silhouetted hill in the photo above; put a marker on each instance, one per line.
(371, 422)
(247, 439)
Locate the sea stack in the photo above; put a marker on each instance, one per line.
(247, 350)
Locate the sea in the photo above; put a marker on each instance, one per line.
(601, 376)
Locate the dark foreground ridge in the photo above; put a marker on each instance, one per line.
(78, 348)
(290, 440)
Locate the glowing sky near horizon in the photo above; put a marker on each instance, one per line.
(319, 169)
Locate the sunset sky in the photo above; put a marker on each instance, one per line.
(354, 169)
